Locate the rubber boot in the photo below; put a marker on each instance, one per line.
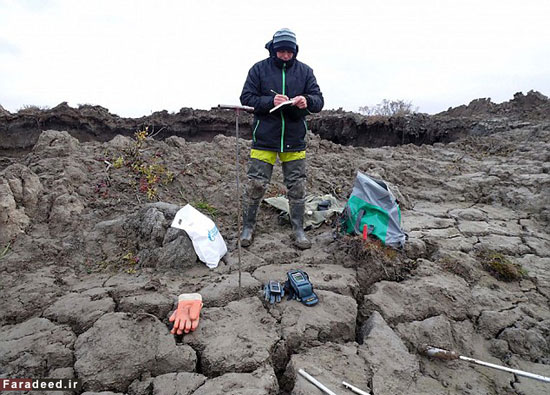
(297, 221)
(259, 174)
(249, 222)
(294, 173)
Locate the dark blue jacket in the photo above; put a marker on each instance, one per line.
(283, 130)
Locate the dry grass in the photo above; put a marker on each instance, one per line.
(500, 267)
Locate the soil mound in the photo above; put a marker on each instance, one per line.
(534, 106)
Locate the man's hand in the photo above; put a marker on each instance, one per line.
(186, 316)
(300, 102)
(278, 99)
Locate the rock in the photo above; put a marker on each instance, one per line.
(422, 221)
(483, 228)
(503, 244)
(499, 349)
(499, 212)
(181, 383)
(14, 221)
(24, 184)
(152, 224)
(120, 142)
(493, 322)
(156, 304)
(121, 285)
(497, 298)
(226, 289)
(387, 356)
(541, 247)
(175, 141)
(453, 243)
(332, 319)
(468, 214)
(426, 209)
(65, 208)
(121, 347)
(34, 348)
(330, 363)
(459, 263)
(435, 331)
(161, 245)
(537, 268)
(55, 144)
(528, 343)
(411, 300)
(62, 373)
(157, 244)
(526, 385)
(28, 295)
(268, 247)
(177, 251)
(415, 248)
(228, 343)
(262, 381)
(79, 311)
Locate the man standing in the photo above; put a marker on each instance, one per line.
(270, 82)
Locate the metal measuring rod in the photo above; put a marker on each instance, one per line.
(237, 110)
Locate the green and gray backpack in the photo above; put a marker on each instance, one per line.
(372, 204)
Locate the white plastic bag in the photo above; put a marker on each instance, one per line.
(203, 232)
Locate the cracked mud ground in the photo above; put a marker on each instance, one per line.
(90, 270)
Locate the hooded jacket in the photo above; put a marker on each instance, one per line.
(283, 130)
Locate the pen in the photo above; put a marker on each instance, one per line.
(273, 91)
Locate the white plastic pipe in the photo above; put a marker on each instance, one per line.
(354, 389)
(316, 383)
(514, 371)
(441, 353)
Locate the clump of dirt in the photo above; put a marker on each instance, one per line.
(374, 261)
(456, 267)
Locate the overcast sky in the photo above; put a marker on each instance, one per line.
(135, 57)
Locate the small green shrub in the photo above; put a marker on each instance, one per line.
(205, 207)
(128, 263)
(150, 174)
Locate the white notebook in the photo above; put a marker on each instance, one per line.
(285, 103)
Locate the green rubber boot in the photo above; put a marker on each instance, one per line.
(297, 221)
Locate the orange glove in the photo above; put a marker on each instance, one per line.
(186, 316)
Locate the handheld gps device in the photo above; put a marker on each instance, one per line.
(300, 288)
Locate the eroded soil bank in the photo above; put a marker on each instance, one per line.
(20, 131)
